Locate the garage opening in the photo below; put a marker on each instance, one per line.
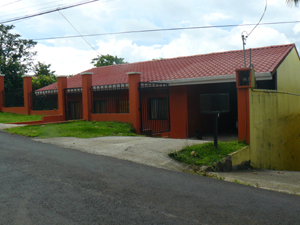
(200, 125)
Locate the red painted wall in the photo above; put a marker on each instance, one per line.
(178, 112)
(120, 117)
(17, 110)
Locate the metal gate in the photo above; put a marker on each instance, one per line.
(73, 103)
(154, 108)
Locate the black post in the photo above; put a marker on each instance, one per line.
(216, 130)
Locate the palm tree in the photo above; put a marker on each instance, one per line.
(296, 2)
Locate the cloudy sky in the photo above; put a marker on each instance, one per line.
(74, 55)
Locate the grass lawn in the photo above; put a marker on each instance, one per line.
(14, 118)
(206, 154)
(80, 129)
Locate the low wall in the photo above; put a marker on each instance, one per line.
(45, 112)
(17, 110)
(120, 117)
(45, 120)
(274, 130)
(240, 156)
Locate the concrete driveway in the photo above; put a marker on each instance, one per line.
(144, 150)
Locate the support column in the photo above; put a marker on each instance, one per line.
(243, 115)
(134, 79)
(1, 90)
(27, 89)
(61, 86)
(86, 94)
(245, 79)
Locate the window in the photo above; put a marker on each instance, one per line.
(123, 106)
(158, 109)
(100, 106)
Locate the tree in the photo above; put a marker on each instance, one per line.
(296, 2)
(43, 69)
(16, 57)
(43, 76)
(107, 60)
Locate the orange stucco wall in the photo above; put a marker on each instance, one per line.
(17, 110)
(44, 112)
(120, 117)
(45, 120)
(178, 112)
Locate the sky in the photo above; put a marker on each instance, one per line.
(70, 56)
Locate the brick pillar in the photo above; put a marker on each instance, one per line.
(27, 89)
(61, 86)
(245, 79)
(86, 94)
(1, 90)
(134, 79)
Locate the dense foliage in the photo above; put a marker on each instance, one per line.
(107, 60)
(16, 57)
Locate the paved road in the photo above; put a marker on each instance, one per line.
(45, 184)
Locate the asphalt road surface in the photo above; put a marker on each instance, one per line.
(45, 184)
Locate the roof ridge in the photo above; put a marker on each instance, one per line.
(197, 55)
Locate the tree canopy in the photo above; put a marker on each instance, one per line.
(107, 60)
(43, 76)
(16, 57)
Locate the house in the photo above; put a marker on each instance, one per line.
(170, 89)
(163, 97)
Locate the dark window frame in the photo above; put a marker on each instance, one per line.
(158, 108)
(122, 105)
(104, 102)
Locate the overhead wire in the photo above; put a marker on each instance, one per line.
(7, 13)
(163, 29)
(10, 3)
(244, 37)
(48, 11)
(78, 32)
(260, 18)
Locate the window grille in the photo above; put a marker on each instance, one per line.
(158, 108)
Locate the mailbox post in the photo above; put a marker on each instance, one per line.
(215, 104)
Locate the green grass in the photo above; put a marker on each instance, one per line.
(14, 118)
(206, 154)
(80, 129)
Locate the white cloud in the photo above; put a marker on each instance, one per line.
(70, 56)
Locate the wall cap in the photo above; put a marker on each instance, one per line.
(27, 75)
(62, 76)
(131, 73)
(2, 75)
(87, 73)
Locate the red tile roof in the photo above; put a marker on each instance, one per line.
(265, 59)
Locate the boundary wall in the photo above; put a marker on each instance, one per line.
(274, 130)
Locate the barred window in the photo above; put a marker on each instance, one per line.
(158, 109)
(123, 106)
(100, 106)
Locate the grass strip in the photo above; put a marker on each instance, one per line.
(206, 154)
(14, 118)
(80, 129)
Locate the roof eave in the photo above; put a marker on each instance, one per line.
(212, 80)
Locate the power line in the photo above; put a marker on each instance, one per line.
(166, 29)
(79, 32)
(260, 18)
(10, 3)
(46, 12)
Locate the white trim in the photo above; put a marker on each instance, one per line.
(58, 76)
(2, 75)
(87, 73)
(212, 80)
(27, 75)
(131, 73)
